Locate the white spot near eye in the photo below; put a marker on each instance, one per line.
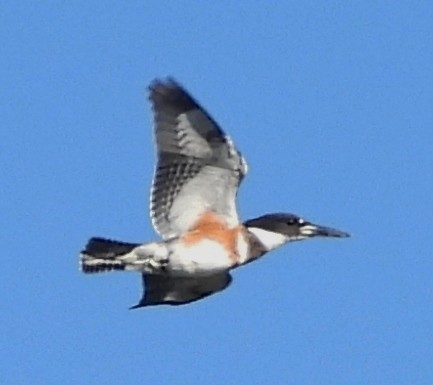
(301, 221)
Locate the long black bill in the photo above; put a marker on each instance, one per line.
(311, 230)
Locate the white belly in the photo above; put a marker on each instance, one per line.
(203, 258)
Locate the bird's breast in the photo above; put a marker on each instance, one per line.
(209, 247)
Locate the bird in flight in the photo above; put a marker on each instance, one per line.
(193, 208)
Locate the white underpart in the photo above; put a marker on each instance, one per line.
(155, 250)
(242, 248)
(144, 258)
(206, 257)
(269, 239)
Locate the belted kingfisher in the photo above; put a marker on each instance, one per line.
(193, 208)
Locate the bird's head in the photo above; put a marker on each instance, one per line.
(273, 230)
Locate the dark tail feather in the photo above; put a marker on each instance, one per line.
(107, 248)
(100, 254)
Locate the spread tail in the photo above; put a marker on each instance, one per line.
(101, 255)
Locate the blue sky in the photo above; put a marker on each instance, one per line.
(330, 102)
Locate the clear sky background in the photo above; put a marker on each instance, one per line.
(331, 102)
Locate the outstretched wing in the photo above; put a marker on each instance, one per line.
(198, 167)
(165, 290)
